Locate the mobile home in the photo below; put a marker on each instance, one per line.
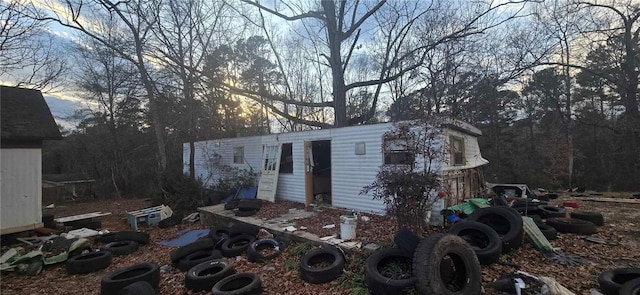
(332, 164)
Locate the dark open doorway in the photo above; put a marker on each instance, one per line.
(321, 171)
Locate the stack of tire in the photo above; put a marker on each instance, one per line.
(113, 244)
(207, 270)
(504, 221)
(244, 207)
(439, 263)
(122, 242)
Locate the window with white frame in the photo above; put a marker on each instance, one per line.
(238, 155)
(398, 152)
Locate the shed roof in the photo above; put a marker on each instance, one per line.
(25, 116)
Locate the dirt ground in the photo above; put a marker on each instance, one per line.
(280, 276)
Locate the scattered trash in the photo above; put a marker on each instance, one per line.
(290, 228)
(148, 216)
(166, 268)
(82, 233)
(269, 268)
(191, 218)
(365, 218)
(329, 226)
(327, 238)
(564, 258)
(551, 286)
(50, 206)
(189, 237)
(303, 227)
(600, 241)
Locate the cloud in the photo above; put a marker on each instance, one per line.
(62, 109)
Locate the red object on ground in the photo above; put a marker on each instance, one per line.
(43, 231)
(572, 204)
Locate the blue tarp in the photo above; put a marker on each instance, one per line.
(189, 237)
(243, 193)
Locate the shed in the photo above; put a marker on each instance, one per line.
(333, 165)
(25, 122)
(66, 187)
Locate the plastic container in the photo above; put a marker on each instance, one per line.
(348, 224)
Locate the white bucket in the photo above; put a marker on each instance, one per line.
(348, 225)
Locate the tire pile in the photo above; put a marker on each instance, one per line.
(207, 269)
(439, 264)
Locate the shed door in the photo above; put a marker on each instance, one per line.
(270, 169)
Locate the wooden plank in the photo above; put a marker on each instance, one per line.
(80, 217)
(612, 200)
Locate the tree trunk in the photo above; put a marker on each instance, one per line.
(335, 61)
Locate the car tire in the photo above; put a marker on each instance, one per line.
(376, 282)
(198, 257)
(253, 251)
(505, 221)
(82, 250)
(570, 225)
(445, 264)
(138, 288)
(120, 248)
(238, 284)
(594, 217)
(231, 204)
(239, 228)
(202, 244)
(316, 275)
(205, 275)
(173, 220)
(631, 287)
(250, 204)
(484, 240)
(89, 262)
(547, 211)
(612, 280)
(117, 280)
(235, 246)
(218, 234)
(140, 237)
(406, 240)
(548, 231)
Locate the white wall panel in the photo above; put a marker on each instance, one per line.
(21, 187)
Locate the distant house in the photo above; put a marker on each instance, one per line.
(335, 164)
(25, 122)
(65, 187)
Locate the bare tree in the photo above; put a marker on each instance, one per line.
(28, 54)
(184, 34)
(346, 27)
(562, 22)
(79, 14)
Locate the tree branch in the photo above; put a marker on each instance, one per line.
(310, 14)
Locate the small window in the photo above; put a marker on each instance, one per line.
(286, 158)
(397, 152)
(457, 150)
(238, 155)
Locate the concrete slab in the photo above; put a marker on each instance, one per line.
(217, 216)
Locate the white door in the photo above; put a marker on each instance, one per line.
(270, 170)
